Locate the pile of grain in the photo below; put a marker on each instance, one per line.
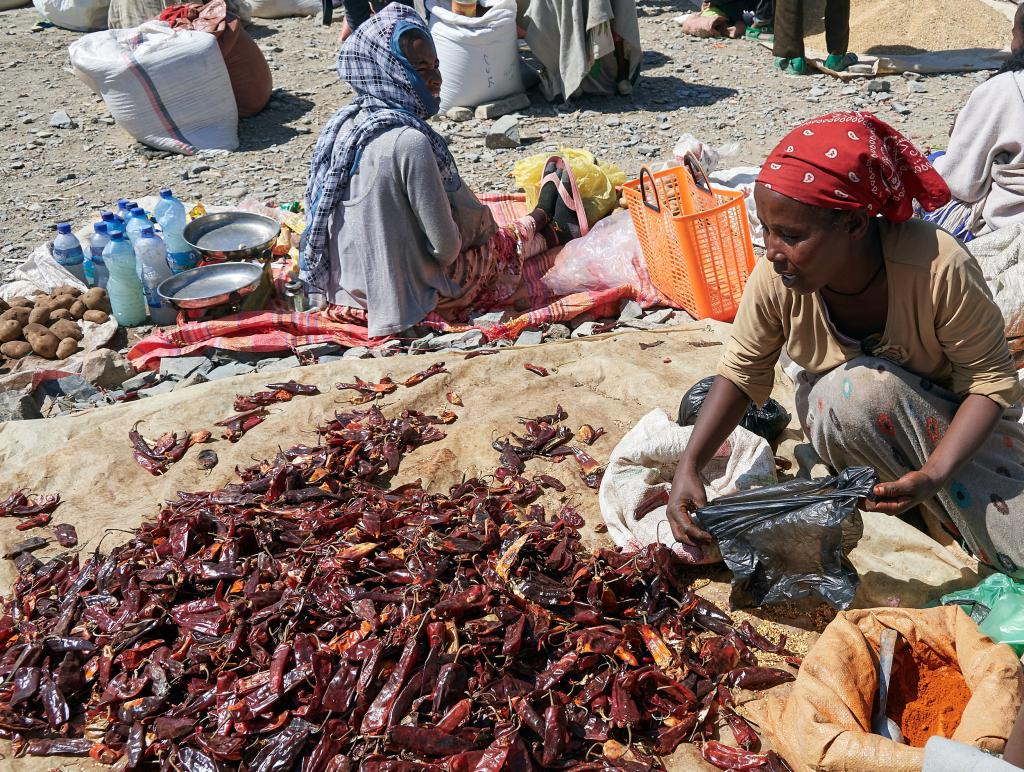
(912, 27)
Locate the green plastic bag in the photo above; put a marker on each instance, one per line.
(1005, 621)
(978, 601)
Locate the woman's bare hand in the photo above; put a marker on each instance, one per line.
(687, 495)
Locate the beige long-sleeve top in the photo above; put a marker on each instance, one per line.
(942, 323)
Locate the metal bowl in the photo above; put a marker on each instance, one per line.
(211, 285)
(232, 236)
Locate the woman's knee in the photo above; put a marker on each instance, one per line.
(865, 393)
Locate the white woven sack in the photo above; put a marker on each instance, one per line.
(479, 56)
(166, 87)
(76, 15)
(643, 463)
(279, 9)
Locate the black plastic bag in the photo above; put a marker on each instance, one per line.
(768, 422)
(787, 541)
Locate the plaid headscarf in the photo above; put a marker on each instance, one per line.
(391, 93)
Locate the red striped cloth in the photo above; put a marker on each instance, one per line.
(280, 331)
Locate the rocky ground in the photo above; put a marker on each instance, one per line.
(721, 91)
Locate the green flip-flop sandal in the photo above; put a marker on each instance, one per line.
(840, 62)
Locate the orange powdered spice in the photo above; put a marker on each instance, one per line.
(927, 695)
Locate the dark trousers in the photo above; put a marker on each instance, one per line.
(789, 27)
(358, 11)
(765, 10)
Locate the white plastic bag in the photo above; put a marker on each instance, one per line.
(479, 58)
(279, 9)
(76, 15)
(166, 87)
(643, 463)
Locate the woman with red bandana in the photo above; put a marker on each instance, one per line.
(904, 365)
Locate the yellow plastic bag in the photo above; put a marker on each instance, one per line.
(596, 180)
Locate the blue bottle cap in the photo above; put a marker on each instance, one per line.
(131, 205)
(147, 233)
(107, 216)
(63, 227)
(117, 236)
(138, 211)
(99, 227)
(166, 193)
(122, 203)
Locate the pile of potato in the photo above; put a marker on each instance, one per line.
(47, 325)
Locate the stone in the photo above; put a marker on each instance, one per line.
(584, 330)
(76, 387)
(357, 352)
(489, 320)
(164, 387)
(136, 382)
(630, 310)
(530, 338)
(106, 368)
(180, 368)
(61, 120)
(504, 134)
(193, 380)
(461, 341)
(557, 332)
(387, 349)
(234, 194)
(512, 104)
(612, 122)
(422, 345)
(817, 91)
(229, 370)
(278, 365)
(900, 108)
(879, 86)
(321, 349)
(916, 88)
(661, 316)
(16, 406)
(459, 114)
(328, 358)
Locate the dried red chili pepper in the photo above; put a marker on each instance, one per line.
(367, 391)
(541, 371)
(435, 369)
(726, 757)
(759, 677)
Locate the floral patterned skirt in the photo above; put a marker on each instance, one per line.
(871, 412)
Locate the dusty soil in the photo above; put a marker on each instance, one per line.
(721, 91)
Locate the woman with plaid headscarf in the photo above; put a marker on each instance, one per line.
(902, 360)
(393, 232)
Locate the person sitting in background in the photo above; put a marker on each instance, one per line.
(789, 36)
(725, 18)
(393, 233)
(904, 367)
(984, 163)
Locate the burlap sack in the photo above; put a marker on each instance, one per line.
(824, 723)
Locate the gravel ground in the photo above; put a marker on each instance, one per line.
(721, 91)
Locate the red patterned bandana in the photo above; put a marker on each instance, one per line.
(854, 161)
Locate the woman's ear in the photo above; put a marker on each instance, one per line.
(857, 223)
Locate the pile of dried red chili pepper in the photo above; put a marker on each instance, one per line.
(310, 616)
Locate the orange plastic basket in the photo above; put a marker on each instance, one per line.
(695, 239)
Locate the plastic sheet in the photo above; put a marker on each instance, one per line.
(597, 181)
(788, 541)
(979, 600)
(768, 421)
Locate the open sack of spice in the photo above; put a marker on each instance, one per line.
(791, 540)
(948, 680)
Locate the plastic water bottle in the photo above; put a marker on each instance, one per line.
(96, 274)
(133, 226)
(124, 288)
(167, 199)
(114, 223)
(67, 250)
(170, 213)
(151, 254)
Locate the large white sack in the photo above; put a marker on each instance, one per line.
(479, 58)
(77, 15)
(279, 9)
(166, 87)
(643, 463)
